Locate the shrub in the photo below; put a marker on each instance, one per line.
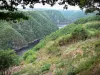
(80, 34)
(88, 19)
(8, 58)
(94, 25)
(45, 67)
(61, 65)
(71, 73)
(97, 46)
(65, 40)
(59, 72)
(39, 45)
(30, 56)
(53, 49)
(86, 64)
(76, 35)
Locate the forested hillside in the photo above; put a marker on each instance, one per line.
(73, 15)
(36, 27)
(9, 37)
(62, 17)
(56, 16)
(17, 35)
(72, 50)
(40, 24)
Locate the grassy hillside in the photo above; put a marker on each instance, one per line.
(73, 50)
(17, 35)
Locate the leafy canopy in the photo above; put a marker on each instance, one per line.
(8, 58)
(11, 5)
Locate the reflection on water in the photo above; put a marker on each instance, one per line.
(21, 51)
(61, 26)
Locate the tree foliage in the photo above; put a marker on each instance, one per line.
(8, 58)
(11, 5)
(12, 16)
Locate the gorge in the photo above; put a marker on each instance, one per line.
(17, 36)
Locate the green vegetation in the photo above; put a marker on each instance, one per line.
(37, 27)
(56, 16)
(40, 23)
(88, 19)
(30, 58)
(9, 37)
(18, 35)
(72, 50)
(73, 15)
(45, 67)
(8, 58)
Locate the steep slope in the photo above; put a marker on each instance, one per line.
(73, 50)
(56, 16)
(37, 27)
(9, 37)
(73, 15)
(24, 32)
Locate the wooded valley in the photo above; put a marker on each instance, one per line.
(70, 50)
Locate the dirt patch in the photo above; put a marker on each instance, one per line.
(73, 53)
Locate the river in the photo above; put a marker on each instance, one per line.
(22, 50)
(61, 26)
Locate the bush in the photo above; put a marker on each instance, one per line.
(53, 49)
(61, 65)
(59, 72)
(88, 19)
(71, 73)
(45, 67)
(8, 58)
(97, 46)
(65, 40)
(86, 64)
(94, 26)
(76, 35)
(39, 45)
(80, 34)
(30, 56)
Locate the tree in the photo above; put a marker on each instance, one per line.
(8, 58)
(12, 16)
(11, 5)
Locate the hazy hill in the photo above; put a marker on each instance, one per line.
(56, 16)
(73, 15)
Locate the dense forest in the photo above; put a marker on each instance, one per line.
(73, 15)
(57, 17)
(17, 35)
